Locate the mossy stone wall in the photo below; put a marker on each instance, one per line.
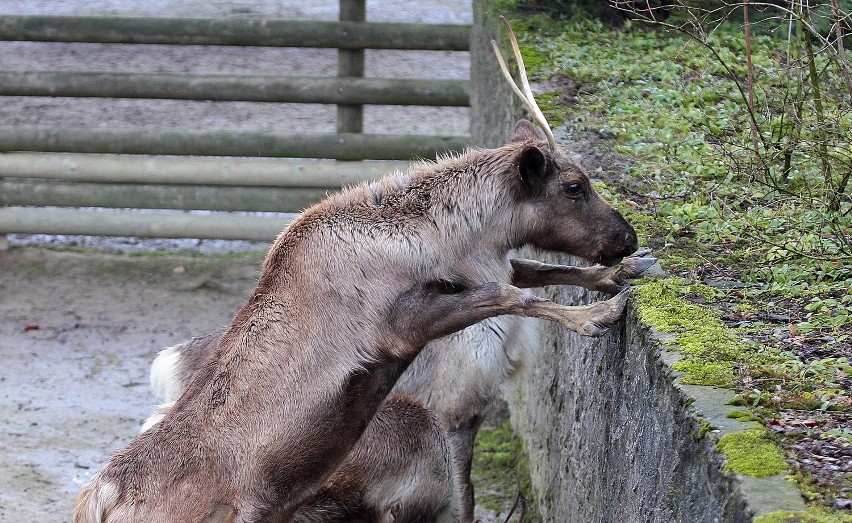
(610, 436)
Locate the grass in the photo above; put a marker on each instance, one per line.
(761, 292)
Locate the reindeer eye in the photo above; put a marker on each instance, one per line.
(572, 189)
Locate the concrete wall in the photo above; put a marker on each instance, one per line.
(493, 109)
(612, 437)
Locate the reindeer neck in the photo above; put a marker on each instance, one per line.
(478, 200)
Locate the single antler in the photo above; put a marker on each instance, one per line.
(526, 94)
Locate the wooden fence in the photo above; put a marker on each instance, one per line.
(49, 175)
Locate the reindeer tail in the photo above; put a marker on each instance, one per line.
(96, 500)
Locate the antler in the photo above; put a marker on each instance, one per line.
(526, 94)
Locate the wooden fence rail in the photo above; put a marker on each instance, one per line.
(31, 220)
(358, 91)
(338, 146)
(235, 32)
(148, 196)
(249, 172)
(261, 185)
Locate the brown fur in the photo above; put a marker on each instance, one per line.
(348, 296)
(401, 470)
(459, 376)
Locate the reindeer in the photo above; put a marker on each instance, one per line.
(457, 377)
(348, 295)
(401, 470)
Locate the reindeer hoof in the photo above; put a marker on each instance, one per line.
(593, 330)
(631, 267)
(604, 314)
(615, 278)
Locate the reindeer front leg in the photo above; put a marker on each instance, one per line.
(431, 311)
(531, 273)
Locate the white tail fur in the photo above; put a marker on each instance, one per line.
(96, 501)
(164, 378)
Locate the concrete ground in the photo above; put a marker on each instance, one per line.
(77, 336)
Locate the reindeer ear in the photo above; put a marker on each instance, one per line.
(532, 166)
(525, 130)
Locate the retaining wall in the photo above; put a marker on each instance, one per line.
(613, 437)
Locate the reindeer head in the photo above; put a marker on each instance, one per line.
(561, 211)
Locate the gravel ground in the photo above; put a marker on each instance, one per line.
(77, 336)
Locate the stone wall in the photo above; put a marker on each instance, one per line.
(610, 433)
(493, 109)
(612, 437)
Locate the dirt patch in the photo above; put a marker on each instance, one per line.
(77, 335)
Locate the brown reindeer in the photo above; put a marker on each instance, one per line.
(401, 470)
(348, 295)
(458, 377)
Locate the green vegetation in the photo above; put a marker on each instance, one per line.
(742, 416)
(500, 469)
(811, 516)
(742, 189)
(709, 348)
(751, 452)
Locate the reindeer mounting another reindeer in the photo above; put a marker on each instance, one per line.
(349, 295)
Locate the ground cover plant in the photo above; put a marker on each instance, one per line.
(727, 140)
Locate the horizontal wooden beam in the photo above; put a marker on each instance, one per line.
(263, 172)
(237, 32)
(46, 193)
(216, 226)
(340, 146)
(385, 91)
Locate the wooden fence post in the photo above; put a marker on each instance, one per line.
(350, 63)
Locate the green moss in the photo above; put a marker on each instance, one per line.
(710, 349)
(698, 372)
(745, 306)
(704, 428)
(552, 108)
(811, 516)
(500, 468)
(742, 416)
(751, 452)
(534, 60)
